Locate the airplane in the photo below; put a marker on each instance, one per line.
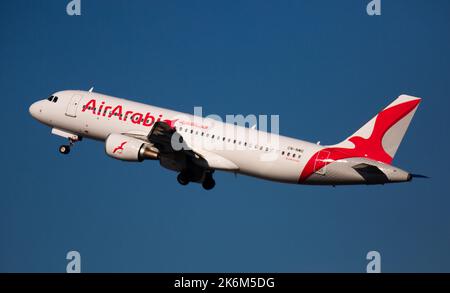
(195, 147)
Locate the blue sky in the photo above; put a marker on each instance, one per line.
(324, 66)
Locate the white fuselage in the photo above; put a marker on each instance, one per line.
(252, 152)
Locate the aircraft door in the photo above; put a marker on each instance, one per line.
(319, 167)
(72, 107)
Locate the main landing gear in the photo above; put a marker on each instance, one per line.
(183, 178)
(208, 182)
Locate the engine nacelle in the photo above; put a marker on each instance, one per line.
(127, 148)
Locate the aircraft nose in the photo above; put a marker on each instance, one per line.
(34, 109)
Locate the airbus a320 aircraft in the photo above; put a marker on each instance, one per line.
(195, 147)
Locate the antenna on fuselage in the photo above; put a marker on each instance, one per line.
(91, 89)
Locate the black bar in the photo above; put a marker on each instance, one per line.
(222, 282)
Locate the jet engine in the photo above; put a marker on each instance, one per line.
(127, 148)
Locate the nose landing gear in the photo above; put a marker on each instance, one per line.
(65, 149)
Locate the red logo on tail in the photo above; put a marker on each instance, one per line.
(371, 147)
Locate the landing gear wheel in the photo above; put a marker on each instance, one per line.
(64, 149)
(209, 183)
(182, 179)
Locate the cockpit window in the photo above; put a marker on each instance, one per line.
(53, 99)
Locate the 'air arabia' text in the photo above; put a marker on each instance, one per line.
(137, 118)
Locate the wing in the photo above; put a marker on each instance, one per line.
(175, 154)
(161, 136)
